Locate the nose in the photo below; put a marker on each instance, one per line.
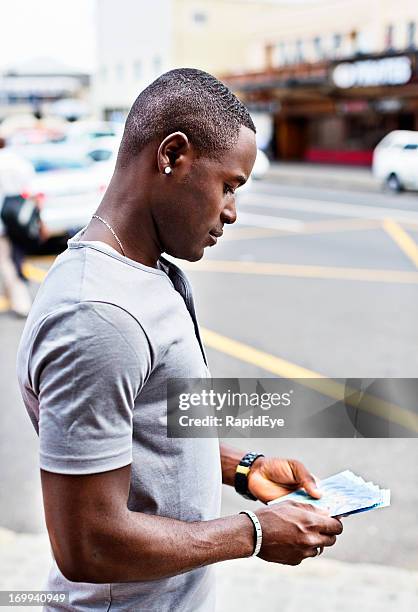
(229, 213)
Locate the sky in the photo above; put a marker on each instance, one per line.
(61, 29)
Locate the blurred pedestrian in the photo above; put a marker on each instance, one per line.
(16, 175)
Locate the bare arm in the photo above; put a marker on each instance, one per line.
(230, 457)
(96, 538)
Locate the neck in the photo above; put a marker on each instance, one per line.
(129, 215)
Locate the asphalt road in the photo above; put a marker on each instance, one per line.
(324, 279)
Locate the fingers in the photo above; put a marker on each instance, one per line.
(311, 552)
(327, 541)
(327, 524)
(324, 523)
(331, 526)
(317, 550)
(305, 479)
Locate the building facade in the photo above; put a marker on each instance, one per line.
(137, 40)
(134, 46)
(331, 76)
(38, 84)
(337, 77)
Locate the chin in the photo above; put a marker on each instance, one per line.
(193, 257)
(186, 255)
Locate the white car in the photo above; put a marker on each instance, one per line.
(260, 168)
(69, 182)
(261, 165)
(91, 131)
(395, 161)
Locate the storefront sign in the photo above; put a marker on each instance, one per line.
(373, 72)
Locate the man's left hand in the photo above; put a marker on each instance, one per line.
(270, 478)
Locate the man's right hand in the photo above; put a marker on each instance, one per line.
(96, 538)
(293, 532)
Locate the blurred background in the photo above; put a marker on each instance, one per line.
(317, 277)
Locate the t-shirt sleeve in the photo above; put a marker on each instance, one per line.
(89, 362)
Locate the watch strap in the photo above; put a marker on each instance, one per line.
(241, 474)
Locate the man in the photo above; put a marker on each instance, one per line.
(16, 175)
(133, 515)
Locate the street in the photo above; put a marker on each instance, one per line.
(311, 277)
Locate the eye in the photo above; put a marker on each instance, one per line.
(228, 189)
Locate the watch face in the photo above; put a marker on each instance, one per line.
(241, 474)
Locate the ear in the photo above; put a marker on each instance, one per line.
(171, 150)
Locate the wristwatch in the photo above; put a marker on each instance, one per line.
(241, 474)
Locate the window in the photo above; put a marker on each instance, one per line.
(299, 51)
(282, 53)
(412, 30)
(119, 71)
(317, 43)
(337, 40)
(199, 17)
(389, 37)
(137, 70)
(99, 155)
(157, 65)
(51, 164)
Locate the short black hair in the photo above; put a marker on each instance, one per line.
(190, 101)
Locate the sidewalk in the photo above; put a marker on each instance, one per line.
(321, 175)
(320, 585)
(317, 585)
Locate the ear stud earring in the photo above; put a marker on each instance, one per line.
(167, 170)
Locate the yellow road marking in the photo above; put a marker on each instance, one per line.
(281, 367)
(304, 271)
(247, 353)
(37, 275)
(33, 273)
(330, 388)
(40, 259)
(4, 303)
(402, 239)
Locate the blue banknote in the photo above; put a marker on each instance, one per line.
(343, 494)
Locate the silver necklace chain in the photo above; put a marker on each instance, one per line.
(113, 232)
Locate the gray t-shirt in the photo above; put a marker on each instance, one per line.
(103, 336)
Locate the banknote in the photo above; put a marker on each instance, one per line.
(343, 494)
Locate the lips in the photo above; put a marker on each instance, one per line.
(214, 235)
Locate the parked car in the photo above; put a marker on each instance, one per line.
(90, 131)
(69, 183)
(261, 165)
(395, 161)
